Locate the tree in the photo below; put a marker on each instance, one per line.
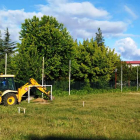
(47, 38)
(92, 63)
(99, 38)
(26, 64)
(1, 46)
(1, 54)
(6, 47)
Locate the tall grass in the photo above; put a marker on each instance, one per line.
(112, 116)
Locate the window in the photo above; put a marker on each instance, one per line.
(7, 83)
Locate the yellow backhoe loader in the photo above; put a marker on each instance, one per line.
(8, 93)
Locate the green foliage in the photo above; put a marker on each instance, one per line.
(46, 38)
(125, 69)
(27, 64)
(92, 63)
(129, 74)
(6, 47)
(1, 45)
(99, 38)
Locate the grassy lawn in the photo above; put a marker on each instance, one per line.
(113, 116)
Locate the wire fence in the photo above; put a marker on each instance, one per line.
(121, 81)
(79, 85)
(124, 78)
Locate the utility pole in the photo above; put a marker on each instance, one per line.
(121, 77)
(5, 63)
(42, 73)
(115, 77)
(69, 74)
(137, 79)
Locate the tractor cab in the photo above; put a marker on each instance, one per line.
(7, 82)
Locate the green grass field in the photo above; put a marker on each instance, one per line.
(113, 116)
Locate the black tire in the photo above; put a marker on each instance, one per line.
(9, 99)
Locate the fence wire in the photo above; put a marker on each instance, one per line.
(122, 80)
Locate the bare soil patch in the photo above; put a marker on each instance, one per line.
(40, 101)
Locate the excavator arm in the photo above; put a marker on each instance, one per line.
(32, 83)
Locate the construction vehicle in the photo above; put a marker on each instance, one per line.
(8, 93)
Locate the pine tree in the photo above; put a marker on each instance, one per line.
(1, 45)
(8, 45)
(99, 38)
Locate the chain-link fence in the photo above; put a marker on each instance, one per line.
(124, 78)
(120, 82)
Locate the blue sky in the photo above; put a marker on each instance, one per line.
(118, 19)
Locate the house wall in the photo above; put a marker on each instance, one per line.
(134, 65)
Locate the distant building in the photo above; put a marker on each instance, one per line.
(133, 63)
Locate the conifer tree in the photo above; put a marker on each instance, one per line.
(8, 45)
(99, 38)
(1, 45)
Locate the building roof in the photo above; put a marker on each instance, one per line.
(132, 62)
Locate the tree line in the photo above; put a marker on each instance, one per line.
(91, 59)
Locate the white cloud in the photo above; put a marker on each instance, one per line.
(128, 49)
(72, 8)
(129, 11)
(81, 33)
(82, 19)
(13, 19)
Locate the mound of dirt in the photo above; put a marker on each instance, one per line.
(40, 101)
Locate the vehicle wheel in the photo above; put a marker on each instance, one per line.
(9, 99)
